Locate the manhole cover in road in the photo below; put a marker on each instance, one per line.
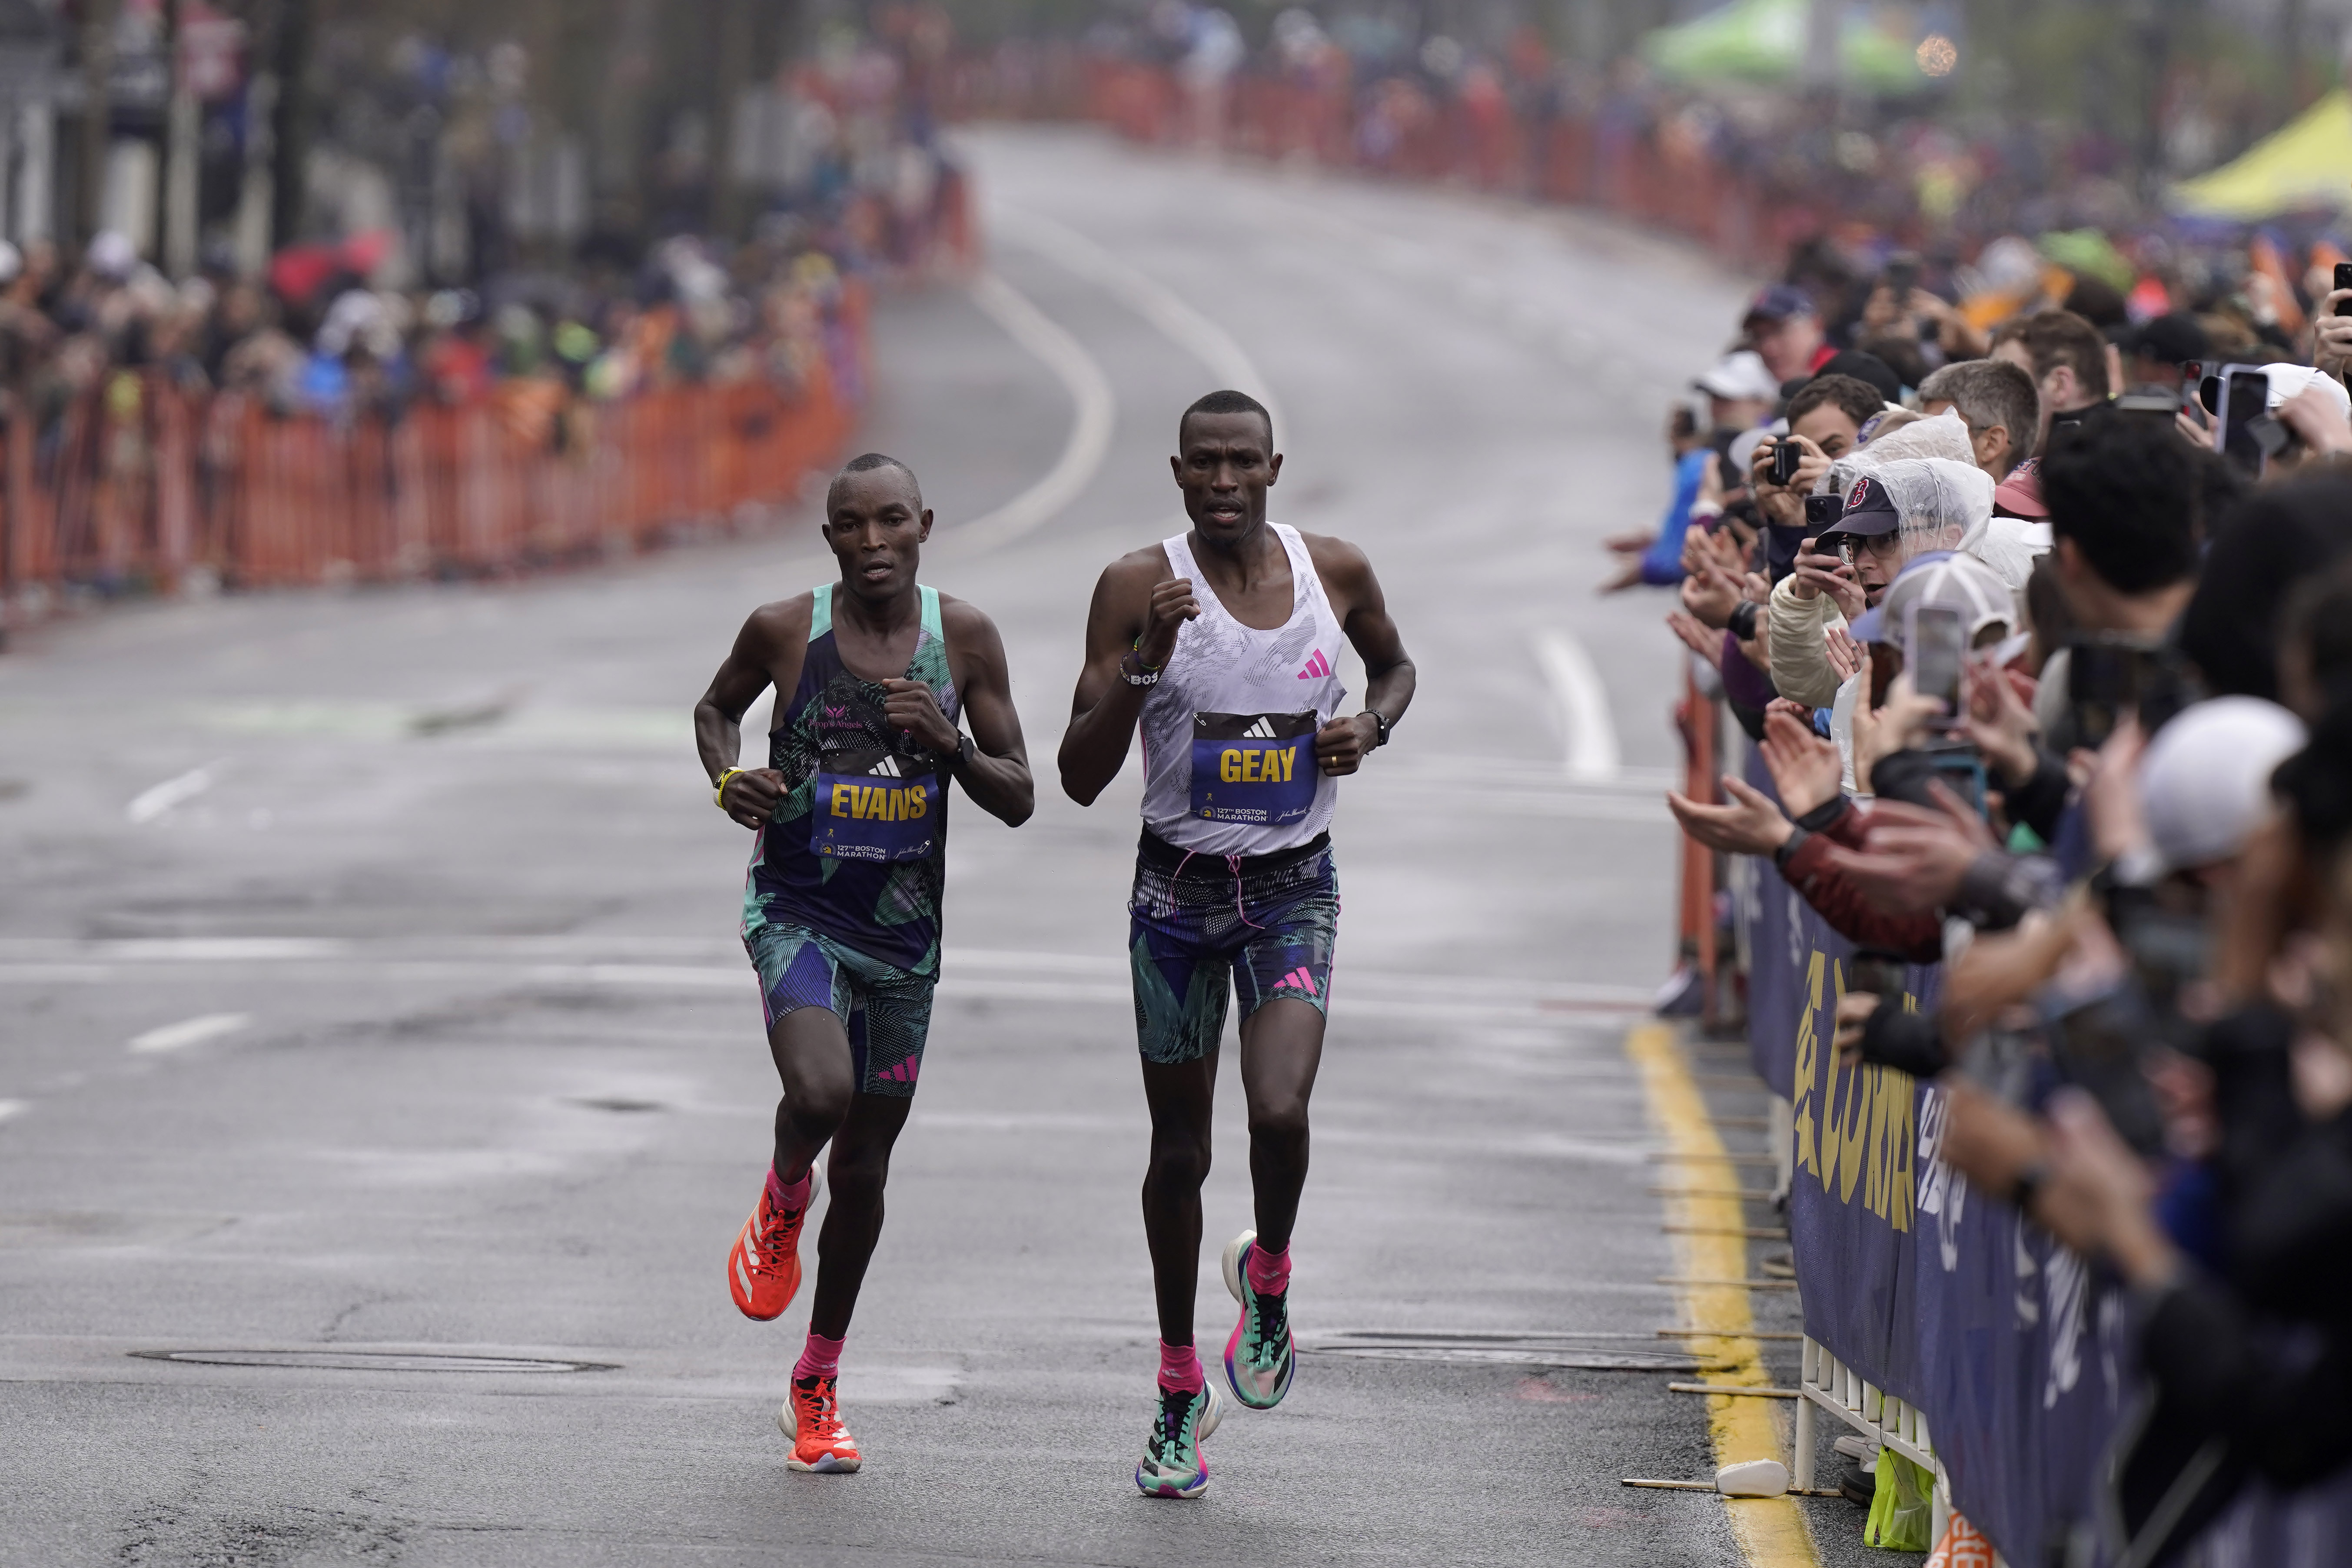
(327, 1358)
(1565, 1351)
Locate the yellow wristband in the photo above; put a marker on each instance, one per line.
(718, 793)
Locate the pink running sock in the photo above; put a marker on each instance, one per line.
(1269, 1272)
(794, 1196)
(1179, 1367)
(821, 1358)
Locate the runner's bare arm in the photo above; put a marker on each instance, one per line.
(997, 778)
(1363, 612)
(1138, 608)
(752, 665)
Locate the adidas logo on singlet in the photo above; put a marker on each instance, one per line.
(1261, 731)
(887, 768)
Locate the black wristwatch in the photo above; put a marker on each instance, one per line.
(963, 753)
(1380, 724)
(1743, 620)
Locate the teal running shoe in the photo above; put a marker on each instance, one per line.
(1260, 1360)
(1172, 1464)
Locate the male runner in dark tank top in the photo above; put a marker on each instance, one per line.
(841, 908)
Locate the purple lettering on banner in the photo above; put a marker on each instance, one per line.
(2015, 1353)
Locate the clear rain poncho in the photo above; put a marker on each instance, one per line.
(1945, 435)
(2007, 544)
(1940, 502)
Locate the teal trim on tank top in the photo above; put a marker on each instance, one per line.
(820, 612)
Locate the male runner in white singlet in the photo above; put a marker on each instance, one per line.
(1238, 691)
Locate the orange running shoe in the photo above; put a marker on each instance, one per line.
(812, 1420)
(763, 1270)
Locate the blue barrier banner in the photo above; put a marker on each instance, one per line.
(2264, 1529)
(2025, 1358)
(1853, 1192)
(1940, 1296)
(2018, 1355)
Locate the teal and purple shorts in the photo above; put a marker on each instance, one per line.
(885, 1010)
(1268, 921)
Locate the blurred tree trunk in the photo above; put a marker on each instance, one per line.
(97, 113)
(290, 127)
(2301, 72)
(733, 29)
(617, 127)
(180, 115)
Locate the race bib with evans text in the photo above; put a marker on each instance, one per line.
(865, 809)
(1254, 767)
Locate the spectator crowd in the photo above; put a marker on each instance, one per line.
(317, 337)
(2037, 628)
(163, 430)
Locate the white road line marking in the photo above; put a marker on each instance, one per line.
(10, 1108)
(219, 949)
(1583, 706)
(189, 1031)
(1178, 322)
(152, 803)
(1090, 420)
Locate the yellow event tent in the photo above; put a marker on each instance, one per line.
(2304, 167)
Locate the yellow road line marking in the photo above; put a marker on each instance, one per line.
(1770, 1531)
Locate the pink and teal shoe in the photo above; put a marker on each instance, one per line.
(1260, 1358)
(1171, 1465)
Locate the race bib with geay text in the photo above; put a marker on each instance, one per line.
(1253, 767)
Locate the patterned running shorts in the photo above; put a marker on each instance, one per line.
(1271, 930)
(885, 1010)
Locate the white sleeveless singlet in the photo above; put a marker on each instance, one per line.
(1229, 731)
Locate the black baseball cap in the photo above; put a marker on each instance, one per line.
(2175, 338)
(1867, 368)
(1869, 510)
(1778, 302)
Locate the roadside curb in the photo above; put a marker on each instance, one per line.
(1705, 1230)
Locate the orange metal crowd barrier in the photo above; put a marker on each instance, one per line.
(1699, 718)
(1660, 173)
(137, 485)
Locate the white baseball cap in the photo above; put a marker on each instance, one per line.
(1741, 373)
(1942, 577)
(2205, 780)
(2288, 380)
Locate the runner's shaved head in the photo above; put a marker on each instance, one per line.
(866, 463)
(1226, 401)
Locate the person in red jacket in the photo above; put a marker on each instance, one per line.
(1798, 833)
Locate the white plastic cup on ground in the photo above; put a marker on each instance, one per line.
(1753, 1478)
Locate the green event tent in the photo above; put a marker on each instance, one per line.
(1763, 42)
(2306, 166)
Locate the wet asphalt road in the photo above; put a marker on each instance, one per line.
(409, 1021)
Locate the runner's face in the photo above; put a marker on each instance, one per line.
(875, 522)
(1224, 471)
